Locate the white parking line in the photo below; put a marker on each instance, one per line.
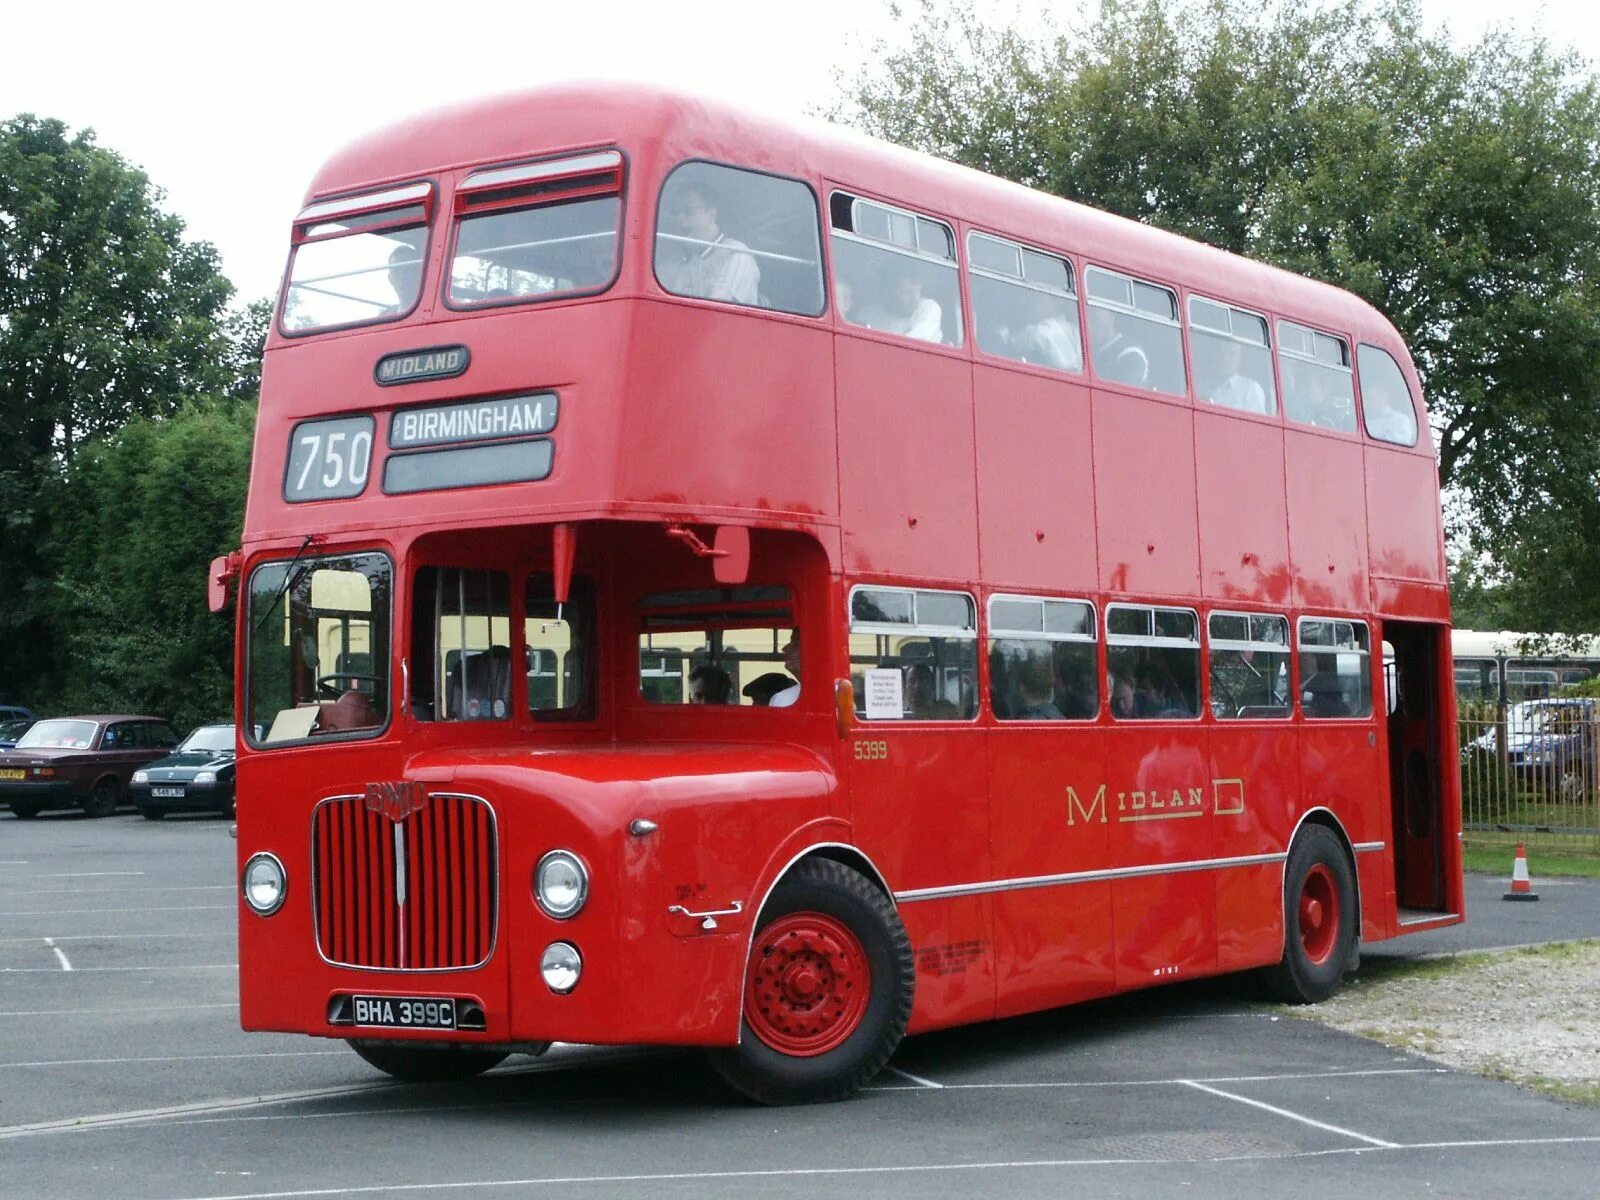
(1068, 1084)
(6, 890)
(171, 1058)
(117, 937)
(917, 1079)
(1293, 1116)
(112, 1120)
(464, 1185)
(88, 970)
(82, 875)
(60, 956)
(107, 1012)
(78, 912)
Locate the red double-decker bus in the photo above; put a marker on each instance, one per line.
(709, 581)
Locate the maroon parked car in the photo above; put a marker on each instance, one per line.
(80, 762)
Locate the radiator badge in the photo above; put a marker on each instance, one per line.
(398, 800)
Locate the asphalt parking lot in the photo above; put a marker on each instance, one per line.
(123, 1074)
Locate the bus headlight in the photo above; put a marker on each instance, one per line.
(561, 884)
(561, 967)
(265, 884)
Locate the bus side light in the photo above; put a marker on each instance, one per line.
(844, 705)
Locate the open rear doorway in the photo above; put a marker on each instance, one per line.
(1417, 788)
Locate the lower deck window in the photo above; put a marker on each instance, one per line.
(732, 646)
(319, 647)
(1249, 665)
(914, 654)
(1335, 668)
(1153, 656)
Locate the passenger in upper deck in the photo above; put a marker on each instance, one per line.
(1116, 357)
(405, 277)
(707, 263)
(1236, 389)
(1051, 338)
(906, 311)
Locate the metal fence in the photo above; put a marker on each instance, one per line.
(1530, 772)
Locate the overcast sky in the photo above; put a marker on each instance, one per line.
(231, 107)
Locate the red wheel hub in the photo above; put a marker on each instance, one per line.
(1319, 915)
(809, 984)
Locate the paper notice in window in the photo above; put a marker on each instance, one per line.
(884, 694)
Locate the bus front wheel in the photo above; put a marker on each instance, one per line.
(1320, 919)
(827, 992)
(427, 1064)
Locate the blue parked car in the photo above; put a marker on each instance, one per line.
(11, 730)
(1550, 745)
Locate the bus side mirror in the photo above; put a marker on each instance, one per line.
(223, 570)
(731, 561)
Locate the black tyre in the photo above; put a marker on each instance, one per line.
(827, 993)
(102, 802)
(151, 813)
(427, 1064)
(25, 810)
(1319, 917)
(229, 810)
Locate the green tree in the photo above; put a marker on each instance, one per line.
(1454, 188)
(107, 313)
(142, 514)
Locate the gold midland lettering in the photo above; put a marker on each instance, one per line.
(1151, 804)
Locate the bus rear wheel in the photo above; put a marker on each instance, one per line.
(427, 1064)
(827, 992)
(1320, 919)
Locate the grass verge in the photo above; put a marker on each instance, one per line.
(1495, 859)
(1457, 1008)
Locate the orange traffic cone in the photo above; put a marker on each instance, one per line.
(1521, 885)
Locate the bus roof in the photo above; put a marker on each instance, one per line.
(648, 120)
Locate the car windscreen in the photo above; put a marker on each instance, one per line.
(58, 735)
(209, 739)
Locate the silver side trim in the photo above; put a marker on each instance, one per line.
(1070, 877)
(1368, 847)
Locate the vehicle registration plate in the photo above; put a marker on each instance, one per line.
(13, 774)
(167, 793)
(404, 1012)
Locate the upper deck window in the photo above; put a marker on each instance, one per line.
(741, 237)
(1232, 357)
(1318, 387)
(1023, 303)
(895, 271)
(1385, 398)
(358, 260)
(536, 231)
(1134, 335)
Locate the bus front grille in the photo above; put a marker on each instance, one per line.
(415, 894)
